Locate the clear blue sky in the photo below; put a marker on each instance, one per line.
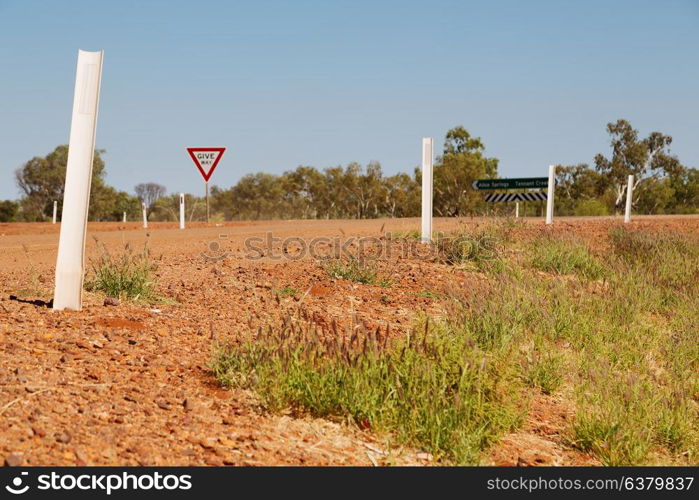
(324, 83)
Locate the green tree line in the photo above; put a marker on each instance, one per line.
(662, 185)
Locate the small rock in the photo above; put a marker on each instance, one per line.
(227, 442)
(132, 342)
(111, 301)
(13, 459)
(207, 443)
(38, 431)
(81, 456)
(63, 437)
(163, 405)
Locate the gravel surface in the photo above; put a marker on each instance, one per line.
(120, 383)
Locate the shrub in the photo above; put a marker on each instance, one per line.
(8, 210)
(590, 208)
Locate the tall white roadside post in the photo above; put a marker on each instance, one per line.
(516, 210)
(181, 210)
(549, 194)
(70, 262)
(55, 210)
(145, 215)
(123, 219)
(629, 198)
(427, 189)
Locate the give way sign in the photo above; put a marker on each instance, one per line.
(206, 159)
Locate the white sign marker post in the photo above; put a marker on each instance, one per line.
(516, 210)
(549, 194)
(70, 262)
(426, 189)
(145, 215)
(181, 210)
(55, 210)
(629, 198)
(124, 218)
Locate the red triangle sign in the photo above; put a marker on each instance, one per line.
(206, 159)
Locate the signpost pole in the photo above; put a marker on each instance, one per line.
(145, 215)
(629, 198)
(123, 219)
(549, 194)
(207, 200)
(516, 210)
(55, 210)
(181, 210)
(426, 189)
(70, 263)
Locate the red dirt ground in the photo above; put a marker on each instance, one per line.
(128, 384)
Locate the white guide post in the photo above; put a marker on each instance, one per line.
(55, 210)
(426, 189)
(629, 198)
(145, 215)
(181, 210)
(516, 210)
(123, 219)
(70, 262)
(549, 194)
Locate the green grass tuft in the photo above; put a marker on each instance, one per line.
(365, 271)
(669, 261)
(428, 294)
(127, 276)
(287, 292)
(408, 234)
(565, 256)
(545, 371)
(461, 247)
